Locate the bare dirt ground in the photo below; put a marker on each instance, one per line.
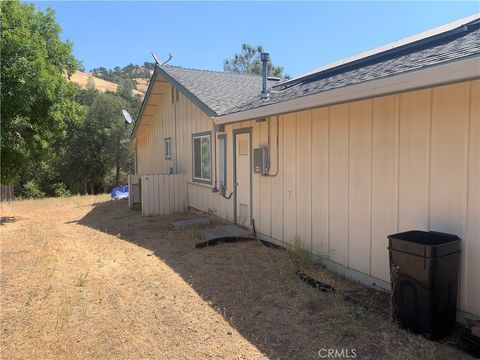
(85, 278)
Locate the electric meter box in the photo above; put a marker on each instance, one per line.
(261, 162)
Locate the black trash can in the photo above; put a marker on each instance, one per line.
(424, 270)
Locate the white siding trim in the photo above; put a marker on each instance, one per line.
(412, 80)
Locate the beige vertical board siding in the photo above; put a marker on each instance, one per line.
(255, 191)
(264, 183)
(229, 202)
(359, 185)
(161, 193)
(470, 294)
(165, 193)
(276, 191)
(289, 177)
(177, 198)
(349, 175)
(143, 196)
(217, 199)
(140, 154)
(448, 167)
(303, 180)
(161, 196)
(150, 208)
(155, 195)
(384, 181)
(171, 193)
(338, 180)
(414, 160)
(183, 194)
(320, 159)
(179, 137)
(192, 195)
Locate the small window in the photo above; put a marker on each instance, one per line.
(202, 157)
(168, 148)
(222, 166)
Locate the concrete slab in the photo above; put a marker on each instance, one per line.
(225, 231)
(223, 234)
(189, 223)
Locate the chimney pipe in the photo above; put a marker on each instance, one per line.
(264, 57)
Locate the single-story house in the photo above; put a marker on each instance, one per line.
(334, 160)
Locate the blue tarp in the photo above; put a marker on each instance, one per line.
(119, 192)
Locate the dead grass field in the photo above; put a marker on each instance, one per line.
(82, 78)
(85, 278)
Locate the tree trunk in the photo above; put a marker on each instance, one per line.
(92, 189)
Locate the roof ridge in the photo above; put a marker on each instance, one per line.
(210, 71)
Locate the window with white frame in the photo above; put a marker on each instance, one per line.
(168, 148)
(202, 157)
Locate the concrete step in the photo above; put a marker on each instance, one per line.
(225, 231)
(190, 223)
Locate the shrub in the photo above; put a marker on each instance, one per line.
(32, 190)
(60, 190)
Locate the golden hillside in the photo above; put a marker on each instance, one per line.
(81, 78)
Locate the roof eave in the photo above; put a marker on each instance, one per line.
(454, 71)
(142, 107)
(456, 27)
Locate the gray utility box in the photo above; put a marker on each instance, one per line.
(261, 163)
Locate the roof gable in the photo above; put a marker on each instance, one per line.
(214, 92)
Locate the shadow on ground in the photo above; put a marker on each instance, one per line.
(8, 219)
(256, 290)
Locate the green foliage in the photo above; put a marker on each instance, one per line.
(128, 72)
(37, 99)
(60, 190)
(32, 190)
(248, 62)
(94, 147)
(125, 88)
(56, 138)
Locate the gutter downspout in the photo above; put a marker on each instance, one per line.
(215, 188)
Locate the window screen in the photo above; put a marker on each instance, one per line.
(202, 157)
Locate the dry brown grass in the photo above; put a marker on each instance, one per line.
(82, 79)
(84, 277)
(141, 84)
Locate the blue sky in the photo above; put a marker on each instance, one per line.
(299, 36)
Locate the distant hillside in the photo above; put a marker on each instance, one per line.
(141, 84)
(82, 79)
(140, 74)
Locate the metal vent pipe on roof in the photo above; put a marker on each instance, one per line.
(264, 57)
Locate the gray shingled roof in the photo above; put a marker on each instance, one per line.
(447, 50)
(219, 91)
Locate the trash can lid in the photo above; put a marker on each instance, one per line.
(424, 243)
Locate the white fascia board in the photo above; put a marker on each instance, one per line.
(427, 77)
